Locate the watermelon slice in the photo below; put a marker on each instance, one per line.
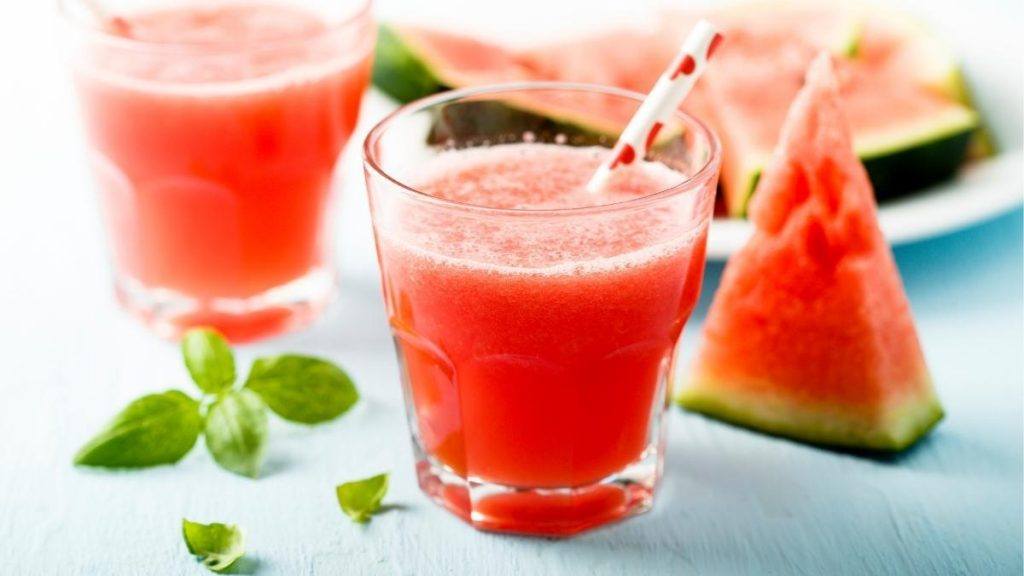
(908, 135)
(905, 99)
(412, 62)
(410, 52)
(900, 44)
(836, 27)
(910, 127)
(810, 334)
(894, 40)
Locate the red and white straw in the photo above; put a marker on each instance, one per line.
(669, 91)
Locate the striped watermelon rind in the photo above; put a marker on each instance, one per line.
(905, 157)
(896, 430)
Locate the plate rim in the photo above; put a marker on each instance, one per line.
(982, 191)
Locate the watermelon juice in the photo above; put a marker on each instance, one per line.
(536, 323)
(538, 365)
(214, 130)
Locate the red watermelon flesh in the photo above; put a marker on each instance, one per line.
(628, 59)
(810, 334)
(897, 45)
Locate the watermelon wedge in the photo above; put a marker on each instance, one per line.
(412, 62)
(836, 27)
(810, 334)
(906, 101)
(411, 52)
(895, 42)
(907, 135)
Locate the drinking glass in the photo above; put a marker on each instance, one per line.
(214, 129)
(536, 345)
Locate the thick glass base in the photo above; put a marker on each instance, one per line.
(281, 309)
(553, 512)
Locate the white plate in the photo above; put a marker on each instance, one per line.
(981, 191)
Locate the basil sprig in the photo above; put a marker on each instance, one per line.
(162, 428)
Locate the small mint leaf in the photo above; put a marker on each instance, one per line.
(302, 388)
(217, 546)
(209, 359)
(236, 432)
(154, 429)
(359, 499)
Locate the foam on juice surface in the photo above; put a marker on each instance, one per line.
(538, 177)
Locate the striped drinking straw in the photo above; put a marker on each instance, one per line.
(669, 91)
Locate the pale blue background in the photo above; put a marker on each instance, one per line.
(733, 502)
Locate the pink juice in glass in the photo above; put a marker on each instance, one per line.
(215, 129)
(537, 354)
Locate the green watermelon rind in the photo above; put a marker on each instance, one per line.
(400, 71)
(982, 143)
(936, 157)
(904, 159)
(904, 425)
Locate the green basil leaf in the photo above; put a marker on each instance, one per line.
(301, 388)
(236, 432)
(216, 545)
(154, 429)
(361, 498)
(209, 359)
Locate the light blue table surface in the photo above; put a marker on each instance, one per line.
(732, 502)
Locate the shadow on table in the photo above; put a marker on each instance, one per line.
(355, 320)
(929, 454)
(715, 513)
(246, 565)
(736, 501)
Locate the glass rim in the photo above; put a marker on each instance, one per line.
(361, 9)
(694, 182)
